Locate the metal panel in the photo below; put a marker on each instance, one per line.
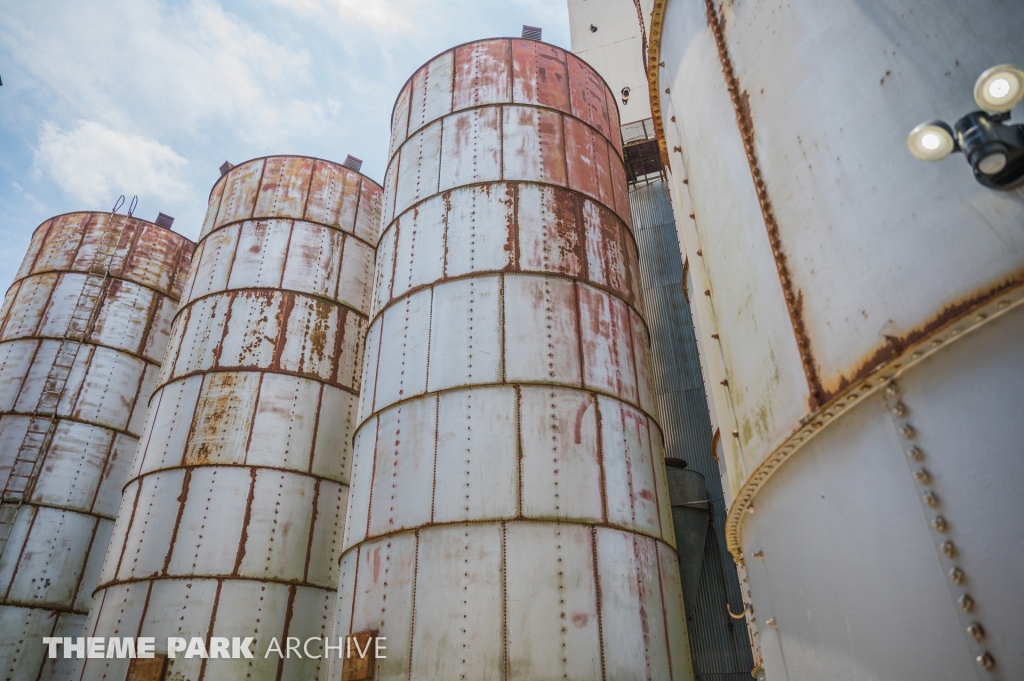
(233, 514)
(474, 134)
(541, 313)
(466, 350)
(481, 74)
(85, 327)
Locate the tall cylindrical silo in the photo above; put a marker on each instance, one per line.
(82, 334)
(232, 519)
(865, 331)
(510, 516)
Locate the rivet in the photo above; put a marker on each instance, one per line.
(750, 510)
(725, 381)
(1003, 303)
(892, 389)
(715, 336)
(986, 661)
(976, 630)
(668, 91)
(707, 292)
(915, 453)
(931, 498)
(908, 431)
(949, 548)
(899, 409)
(735, 433)
(923, 476)
(916, 354)
(937, 342)
(940, 523)
(957, 575)
(758, 554)
(699, 251)
(966, 603)
(771, 622)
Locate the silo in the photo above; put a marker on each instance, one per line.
(82, 334)
(863, 320)
(510, 514)
(232, 519)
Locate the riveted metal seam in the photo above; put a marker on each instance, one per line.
(653, 76)
(267, 158)
(60, 271)
(793, 299)
(535, 520)
(21, 552)
(597, 599)
(128, 529)
(977, 316)
(230, 293)
(664, 610)
(186, 483)
(288, 614)
(255, 370)
(600, 461)
(412, 607)
(74, 419)
(209, 628)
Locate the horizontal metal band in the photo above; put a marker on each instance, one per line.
(992, 307)
(246, 466)
(334, 228)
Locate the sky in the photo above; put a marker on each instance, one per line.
(149, 97)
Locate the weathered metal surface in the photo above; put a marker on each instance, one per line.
(234, 510)
(509, 515)
(805, 210)
(95, 294)
(720, 648)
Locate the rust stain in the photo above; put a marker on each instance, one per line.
(511, 247)
(895, 345)
(580, 619)
(794, 298)
(578, 427)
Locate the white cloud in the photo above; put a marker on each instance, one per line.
(95, 164)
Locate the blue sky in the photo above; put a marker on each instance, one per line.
(149, 97)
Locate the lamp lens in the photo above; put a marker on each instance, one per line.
(932, 141)
(993, 163)
(999, 88)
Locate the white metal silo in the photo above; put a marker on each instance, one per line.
(509, 515)
(233, 514)
(862, 324)
(82, 334)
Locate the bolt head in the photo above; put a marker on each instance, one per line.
(940, 523)
(966, 603)
(923, 476)
(899, 409)
(916, 453)
(976, 630)
(986, 661)
(931, 498)
(949, 549)
(957, 575)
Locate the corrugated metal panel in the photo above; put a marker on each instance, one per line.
(84, 328)
(721, 650)
(234, 510)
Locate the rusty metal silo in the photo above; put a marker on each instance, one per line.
(510, 515)
(82, 334)
(233, 515)
(862, 316)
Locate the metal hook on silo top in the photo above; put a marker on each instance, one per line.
(132, 205)
(117, 204)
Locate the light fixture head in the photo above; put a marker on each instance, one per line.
(625, 95)
(999, 88)
(931, 141)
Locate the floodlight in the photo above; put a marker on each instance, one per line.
(999, 88)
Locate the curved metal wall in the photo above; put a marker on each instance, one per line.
(841, 274)
(82, 334)
(233, 515)
(509, 517)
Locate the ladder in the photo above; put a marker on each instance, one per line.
(43, 421)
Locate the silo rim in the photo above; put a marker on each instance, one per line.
(269, 156)
(512, 38)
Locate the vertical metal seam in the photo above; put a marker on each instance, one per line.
(597, 600)
(88, 553)
(579, 335)
(127, 531)
(243, 538)
(186, 483)
(501, 331)
(34, 510)
(312, 528)
(192, 424)
(103, 469)
(437, 429)
(519, 450)
(287, 249)
(504, 603)
(309, 188)
(259, 189)
(316, 428)
(209, 627)
(289, 612)
(793, 300)
(355, 583)
(602, 473)
(373, 477)
(430, 338)
(664, 611)
(632, 354)
(654, 453)
(412, 608)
